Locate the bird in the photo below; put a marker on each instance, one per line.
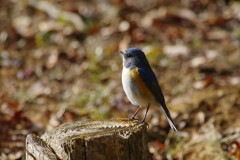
(141, 85)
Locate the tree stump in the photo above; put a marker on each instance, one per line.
(91, 140)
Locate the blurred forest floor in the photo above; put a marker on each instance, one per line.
(60, 62)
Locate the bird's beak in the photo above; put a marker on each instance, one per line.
(121, 52)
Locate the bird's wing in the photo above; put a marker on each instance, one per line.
(151, 82)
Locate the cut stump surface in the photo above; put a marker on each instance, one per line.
(91, 140)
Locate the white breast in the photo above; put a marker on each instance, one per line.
(131, 89)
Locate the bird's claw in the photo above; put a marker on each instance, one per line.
(138, 121)
(132, 118)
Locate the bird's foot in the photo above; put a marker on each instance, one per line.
(132, 118)
(143, 121)
(137, 120)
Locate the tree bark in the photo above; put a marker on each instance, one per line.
(91, 140)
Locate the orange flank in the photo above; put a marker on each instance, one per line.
(134, 74)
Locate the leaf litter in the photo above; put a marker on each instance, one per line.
(59, 63)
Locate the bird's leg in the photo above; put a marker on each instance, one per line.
(133, 116)
(143, 120)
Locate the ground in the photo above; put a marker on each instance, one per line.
(60, 62)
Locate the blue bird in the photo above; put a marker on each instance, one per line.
(140, 83)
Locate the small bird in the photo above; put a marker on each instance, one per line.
(140, 83)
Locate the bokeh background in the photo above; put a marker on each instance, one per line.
(60, 62)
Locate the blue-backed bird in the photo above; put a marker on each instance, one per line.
(140, 83)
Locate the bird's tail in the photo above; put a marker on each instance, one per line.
(169, 118)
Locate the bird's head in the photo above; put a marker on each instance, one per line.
(133, 57)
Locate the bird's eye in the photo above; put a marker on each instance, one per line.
(128, 55)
